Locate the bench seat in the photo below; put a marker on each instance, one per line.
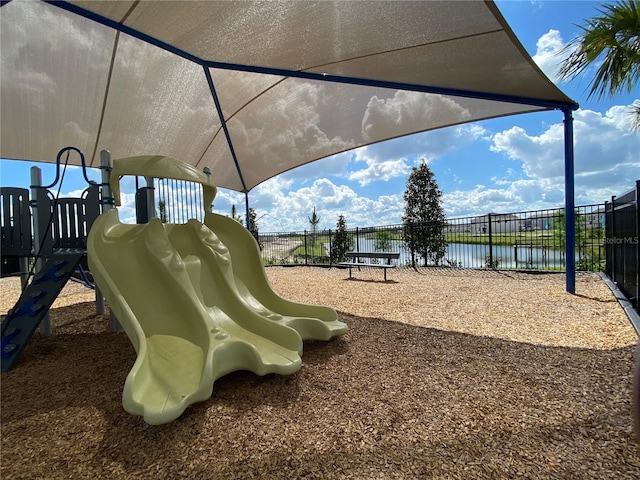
(382, 255)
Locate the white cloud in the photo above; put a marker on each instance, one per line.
(506, 179)
(73, 194)
(225, 199)
(519, 195)
(384, 210)
(552, 52)
(289, 128)
(127, 211)
(281, 208)
(548, 56)
(480, 200)
(394, 158)
(336, 165)
(323, 192)
(408, 111)
(606, 162)
(542, 155)
(385, 170)
(605, 149)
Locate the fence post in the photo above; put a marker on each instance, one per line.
(412, 244)
(330, 248)
(490, 244)
(151, 197)
(613, 234)
(602, 249)
(306, 252)
(607, 254)
(357, 239)
(637, 245)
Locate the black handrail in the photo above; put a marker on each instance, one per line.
(82, 161)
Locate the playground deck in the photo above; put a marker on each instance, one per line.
(444, 373)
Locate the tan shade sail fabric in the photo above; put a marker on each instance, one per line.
(71, 80)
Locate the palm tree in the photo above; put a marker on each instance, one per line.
(162, 211)
(314, 220)
(610, 41)
(234, 214)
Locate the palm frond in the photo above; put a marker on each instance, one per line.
(612, 42)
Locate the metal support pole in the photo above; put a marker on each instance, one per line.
(151, 198)
(306, 251)
(637, 292)
(491, 265)
(107, 204)
(611, 229)
(330, 248)
(569, 208)
(36, 181)
(413, 250)
(246, 204)
(24, 272)
(207, 172)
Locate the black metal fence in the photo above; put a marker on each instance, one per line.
(526, 240)
(622, 244)
(531, 240)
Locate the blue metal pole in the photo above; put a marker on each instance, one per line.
(225, 128)
(246, 206)
(569, 203)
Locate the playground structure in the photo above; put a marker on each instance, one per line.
(55, 241)
(193, 298)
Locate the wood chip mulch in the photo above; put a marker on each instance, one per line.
(444, 374)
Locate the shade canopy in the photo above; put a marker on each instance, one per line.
(253, 89)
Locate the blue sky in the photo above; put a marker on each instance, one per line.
(502, 165)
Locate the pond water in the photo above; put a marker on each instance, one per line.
(468, 255)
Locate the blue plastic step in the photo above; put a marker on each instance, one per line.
(34, 303)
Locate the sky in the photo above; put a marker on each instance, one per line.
(510, 164)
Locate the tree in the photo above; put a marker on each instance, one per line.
(162, 211)
(558, 224)
(382, 242)
(235, 215)
(610, 41)
(423, 220)
(314, 220)
(253, 226)
(341, 242)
